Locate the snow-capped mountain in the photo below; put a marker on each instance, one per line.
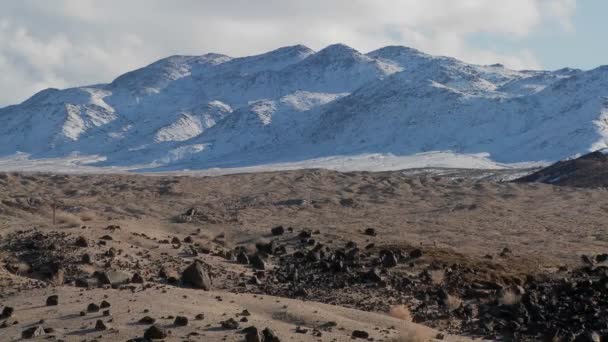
(294, 104)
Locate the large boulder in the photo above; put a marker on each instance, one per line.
(114, 278)
(196, 276)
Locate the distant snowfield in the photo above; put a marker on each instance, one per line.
(364, 162)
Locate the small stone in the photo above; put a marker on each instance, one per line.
(147, 320)
(7, 312)
(100, 325)
(155, 333)
(93, 307)
(370, 232)
(81, 241)
(181, 321)
(416, 253)
(199, 317)
(242, 258)
(104, 304)
(257, 262)
(278, 230)
(230, 324)
(32, 332)
(137, 279)
(106, 313)
(270, 336)
(360, 334)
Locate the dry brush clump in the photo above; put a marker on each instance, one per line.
(67, 219)
(401, 312)
(509, 297)
(415, 333)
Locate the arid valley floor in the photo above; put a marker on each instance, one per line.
(386, 256)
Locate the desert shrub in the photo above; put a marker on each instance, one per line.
(401, 312)
(87, 216)
(509, 297)
(66, 219)
(437, 276)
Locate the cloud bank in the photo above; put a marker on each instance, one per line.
(65, 43)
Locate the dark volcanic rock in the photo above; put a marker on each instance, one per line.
(147, 320)
(93, 307)
(100, 325)
(181, 321)
(242, 258)
(278, 230)
(270, 336)
(155, 332)
(360, 334)
(257, 262)
(230, 324)
(7, 312)
(370, 231)
(52, 300)
(196, 276)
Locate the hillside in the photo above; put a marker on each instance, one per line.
(589, 171)
(294, 104)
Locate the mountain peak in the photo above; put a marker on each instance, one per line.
(338, 50)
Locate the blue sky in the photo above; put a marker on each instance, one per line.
(65, 43)
(584, 46)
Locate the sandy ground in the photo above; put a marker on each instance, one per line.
(452, 219)
(282, 314)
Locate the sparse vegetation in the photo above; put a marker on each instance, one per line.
(401, 312)
(68, 220)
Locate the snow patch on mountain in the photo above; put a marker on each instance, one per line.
(293, 105)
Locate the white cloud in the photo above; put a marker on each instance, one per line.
(73, 42)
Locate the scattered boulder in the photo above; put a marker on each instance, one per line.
(7, 312)
(147, 320)
(104, 304)
(230, 324)
(93, 307)
(86, 259)
(278, 230)
(52, 300)
(181, 321)
(252, 334)
(196, 276)
(81, 241)
(416, 253)
(170, 275)
(155, 333)
(114, 278)
(100, 325)
(242, 258)
(257, 262)
(32, 332)
(87, 282)
(270, 336)
(360, 334)
(137, 279)
(370, 232)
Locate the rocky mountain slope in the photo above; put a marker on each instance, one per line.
(590, 171)
(294, 104)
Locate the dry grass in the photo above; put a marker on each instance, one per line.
(401, 312)
(437, 276)
(415, 333)
(87, 216)
(509, 297)
(453, 302)
(69, 220)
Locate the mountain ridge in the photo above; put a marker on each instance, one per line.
(293, 103)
